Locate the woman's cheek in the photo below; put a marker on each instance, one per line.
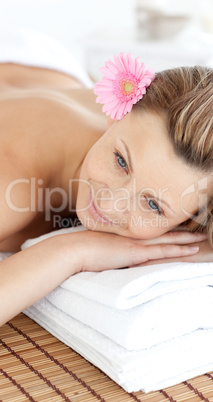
(148, 225)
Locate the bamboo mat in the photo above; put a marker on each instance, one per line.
(35, 366)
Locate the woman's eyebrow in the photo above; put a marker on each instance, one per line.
(129, 156)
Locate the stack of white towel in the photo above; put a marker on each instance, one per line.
(147, 327)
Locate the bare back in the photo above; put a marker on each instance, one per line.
(48, 123)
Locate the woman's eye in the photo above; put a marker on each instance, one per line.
(154, 206)
(121, 161)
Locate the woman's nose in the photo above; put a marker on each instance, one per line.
(115, 202)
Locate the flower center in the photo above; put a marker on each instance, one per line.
(127, 87)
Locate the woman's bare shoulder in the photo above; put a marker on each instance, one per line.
(29, 123)
(21, 119)
(37, 123)
(23, 76)
(43, 135)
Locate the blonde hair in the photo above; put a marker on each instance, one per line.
(185, 95)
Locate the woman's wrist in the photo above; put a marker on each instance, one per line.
(67, 252)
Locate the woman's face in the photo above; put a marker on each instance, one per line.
(132, 183)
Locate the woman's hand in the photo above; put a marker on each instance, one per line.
(205, 253)
(100, 251)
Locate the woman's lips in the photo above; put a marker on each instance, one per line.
(95, 213)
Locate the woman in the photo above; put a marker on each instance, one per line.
(130, 181)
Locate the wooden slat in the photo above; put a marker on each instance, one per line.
(36, 366)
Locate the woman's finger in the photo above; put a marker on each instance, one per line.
(160, 251)
(205, 254)
(177, 237)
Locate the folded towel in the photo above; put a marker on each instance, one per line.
(160, 366)
(127, 288)
(146, 327)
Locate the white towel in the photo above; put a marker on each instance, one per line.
(4, 254)
(146, 327)
(23, 46)
(143, 326)
(126, 288)
(160, 366)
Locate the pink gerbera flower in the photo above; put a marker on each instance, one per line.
(124, 82)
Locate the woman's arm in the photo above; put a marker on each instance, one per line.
(28, 275)
(32, 273)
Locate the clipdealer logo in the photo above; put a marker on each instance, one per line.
(120, 200)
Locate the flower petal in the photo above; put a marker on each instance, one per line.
(124, 82)
(119, 62)
(132, 65)
(125, 110)
(129, 106)
(113, 114)
(106, 99)
(107, 73)
(111, 66)
(105, 82)
(120, 111)
(140, 70)
(110, 105)
(125, 60)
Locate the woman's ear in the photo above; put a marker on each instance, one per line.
(110, 122)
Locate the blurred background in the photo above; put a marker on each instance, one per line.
(164, 33)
